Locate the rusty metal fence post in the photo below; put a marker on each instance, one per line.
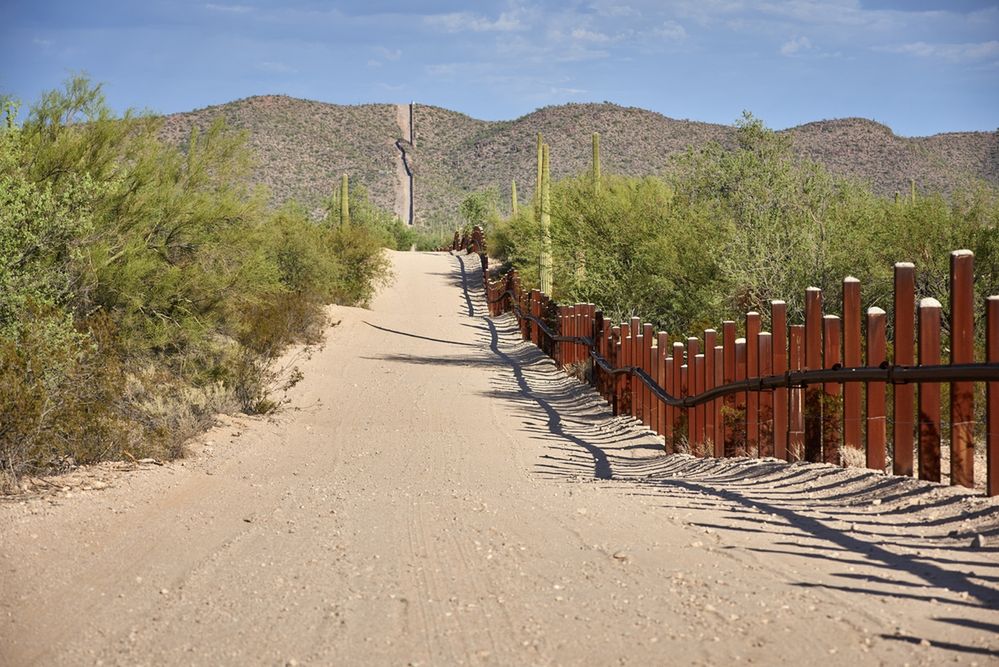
(962, 351)
(992, 397)
(903, 396)
(778, 327)
(877, 422)
(929, 392)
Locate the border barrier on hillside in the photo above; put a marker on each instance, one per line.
(798, 392)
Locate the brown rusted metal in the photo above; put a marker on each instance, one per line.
(719, 434)
(778, 325)
(563, 326)
(680, 414)
(635, 355)
(616, 381)
(813, 361)
(832, 404)
(648, 337)
(597, 335)
(992, 397)
(728, 404)
(796, 395)
(852, 393)
(624, 382)
(739, 418)
(752, 370)
(670, 410)
(903, 397)
(637, 360)
(662, 344)
(694, 415)
(962, 351)
(766, 399)
(929, 392)
(685, 391)
(605, 378)
(710, 340)
(877, 422)
(536, 311)
(698, 382)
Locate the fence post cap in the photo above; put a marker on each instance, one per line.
(961, 253)
(851, 279)
(874, 310)
(904, 265)
(929, 302)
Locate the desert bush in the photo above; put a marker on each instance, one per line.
(143, 288)
(726, 230)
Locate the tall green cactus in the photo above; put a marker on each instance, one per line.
(596, 162)
(344, 201)
(546, 231)
(537, 182)
(513, 198)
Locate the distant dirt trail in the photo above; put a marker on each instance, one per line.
(439, 495)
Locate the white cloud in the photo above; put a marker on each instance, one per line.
(612, 8)
(670, 30)
(229, 9)
(388, 54)
(795, 46)
(44, 43)
(468, 22)
(584, 35)
(949, 52)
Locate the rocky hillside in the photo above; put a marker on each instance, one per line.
(303, 146)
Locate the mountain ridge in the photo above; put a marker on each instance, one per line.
(302, 146)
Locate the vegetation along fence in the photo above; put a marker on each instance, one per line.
(833, 389)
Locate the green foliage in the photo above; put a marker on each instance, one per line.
(478, 208)
(143, 288)
(544, 202)
(729, 230)
(344, 201)
(385, 227)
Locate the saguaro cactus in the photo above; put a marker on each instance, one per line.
(537, 182)
(596, 162)
(546, 232)
(344, 201)
(513, 198)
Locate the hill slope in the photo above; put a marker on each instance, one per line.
(303, 146)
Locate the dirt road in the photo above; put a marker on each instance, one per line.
(439, 495)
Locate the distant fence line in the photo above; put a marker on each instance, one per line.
(798, 392)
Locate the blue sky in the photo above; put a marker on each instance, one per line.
(921, 67)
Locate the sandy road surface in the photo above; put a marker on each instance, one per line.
(439, 495)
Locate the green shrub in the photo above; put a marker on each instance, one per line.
(728, 230)
(142, 289)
